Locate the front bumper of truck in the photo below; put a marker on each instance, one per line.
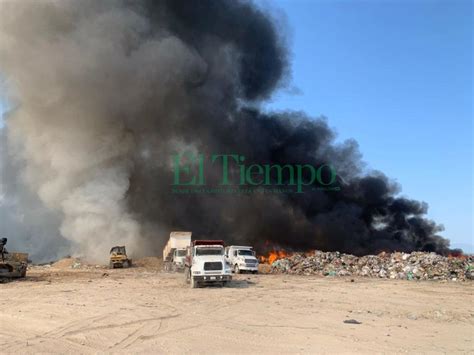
(247, 267)
(212, 278)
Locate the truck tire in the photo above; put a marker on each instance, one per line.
(125, 264)
(236, 269)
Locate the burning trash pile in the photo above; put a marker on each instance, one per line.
(413, 266)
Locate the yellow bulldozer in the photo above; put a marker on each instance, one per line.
(119, 258)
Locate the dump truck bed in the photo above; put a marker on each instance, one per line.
(178, 240)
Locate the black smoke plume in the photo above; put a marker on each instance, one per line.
(105, 92)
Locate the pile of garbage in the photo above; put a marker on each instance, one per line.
(65, 263)
(413, 266)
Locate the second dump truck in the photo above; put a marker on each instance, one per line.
(174, 252)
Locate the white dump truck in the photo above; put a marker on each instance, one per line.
(205, 263)
(174, 252)
(241, 259)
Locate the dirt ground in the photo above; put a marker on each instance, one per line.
(144, 310)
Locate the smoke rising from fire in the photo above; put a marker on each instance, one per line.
(103, 94)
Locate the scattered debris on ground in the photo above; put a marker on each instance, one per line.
(66, 263)
(413, 266)
(352, 321)
(80, 264)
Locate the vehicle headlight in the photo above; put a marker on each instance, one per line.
(196, 272)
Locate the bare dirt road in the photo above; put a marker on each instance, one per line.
(143, 310)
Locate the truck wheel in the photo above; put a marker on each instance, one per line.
(236, 269)
(111, 265)
(194, 283)
(125, 264)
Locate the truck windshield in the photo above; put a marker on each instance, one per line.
(208, 251)
(180, 252)
(245, 252)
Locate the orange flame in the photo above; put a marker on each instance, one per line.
(278, 253)
(273, 256)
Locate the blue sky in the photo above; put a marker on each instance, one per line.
(397, 77)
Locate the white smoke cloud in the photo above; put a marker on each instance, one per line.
(77, 71)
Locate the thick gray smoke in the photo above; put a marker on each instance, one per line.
(105, 91)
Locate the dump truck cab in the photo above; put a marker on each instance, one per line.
(179, 257)
(119, 258)
(174, 251)
(205, 263)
